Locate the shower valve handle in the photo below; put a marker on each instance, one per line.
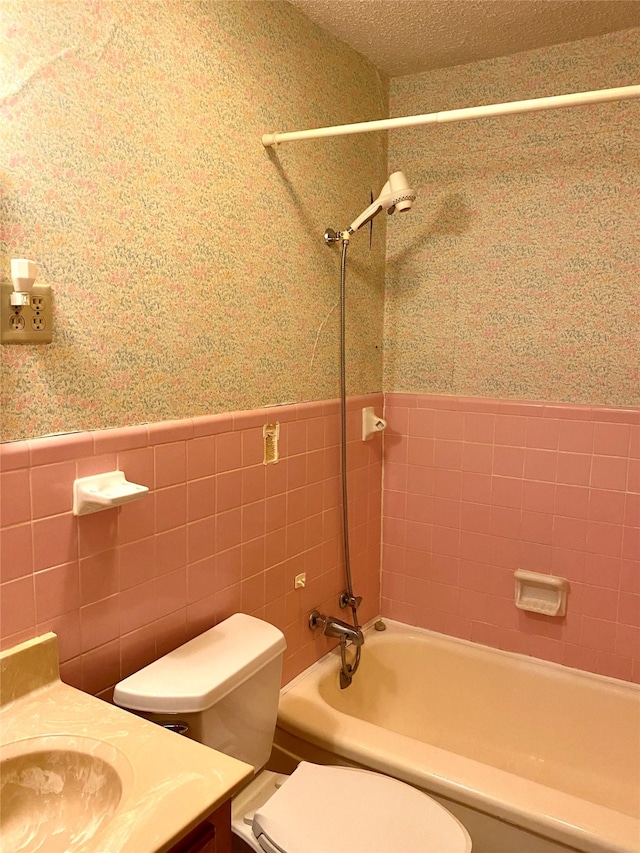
(353, 601)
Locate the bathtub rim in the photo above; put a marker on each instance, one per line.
(402, 628)
(559, 816)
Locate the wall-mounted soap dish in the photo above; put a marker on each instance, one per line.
(540, 593)
(104, 491)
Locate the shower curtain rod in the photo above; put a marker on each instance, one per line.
(531, 106)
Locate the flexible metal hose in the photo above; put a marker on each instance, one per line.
(347, 670)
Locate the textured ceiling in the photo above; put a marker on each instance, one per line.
(409, 36)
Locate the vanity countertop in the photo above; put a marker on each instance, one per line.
(170, 783)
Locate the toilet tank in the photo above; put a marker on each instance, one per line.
(223, 685)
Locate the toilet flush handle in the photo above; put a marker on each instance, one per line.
(178, 726)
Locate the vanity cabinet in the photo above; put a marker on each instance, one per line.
(213, 835)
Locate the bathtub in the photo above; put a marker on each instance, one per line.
(531, 756)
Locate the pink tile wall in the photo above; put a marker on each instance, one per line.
(219, 532)
(477, 488)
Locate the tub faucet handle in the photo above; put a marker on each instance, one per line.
(317, 621)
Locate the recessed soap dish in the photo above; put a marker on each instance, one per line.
(540, 593)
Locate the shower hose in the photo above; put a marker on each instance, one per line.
(347, 670)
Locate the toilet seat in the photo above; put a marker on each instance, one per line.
(323, 808)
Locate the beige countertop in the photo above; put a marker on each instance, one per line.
(169, 783)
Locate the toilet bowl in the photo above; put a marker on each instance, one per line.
(222, 689)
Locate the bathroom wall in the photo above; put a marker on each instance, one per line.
(512, 359)
(187, 262)
(191, 287)
(475, 488)
(519, 277)
(219, 532)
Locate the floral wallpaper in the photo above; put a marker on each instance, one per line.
(188, 266)
(517, 275)
(187, 263)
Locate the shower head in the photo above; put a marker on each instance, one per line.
(396, 195)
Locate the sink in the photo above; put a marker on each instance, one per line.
(78, 775)
(58, 791)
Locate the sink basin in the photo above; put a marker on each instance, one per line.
(58, 791)
(78, 775)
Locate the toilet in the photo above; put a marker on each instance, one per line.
(222, 689)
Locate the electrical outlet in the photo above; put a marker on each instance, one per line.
(17, 323)
(38, 323)
(26, 324)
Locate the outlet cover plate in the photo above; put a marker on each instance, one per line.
(37, 327)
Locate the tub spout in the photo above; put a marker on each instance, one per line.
(333, 627)
(337, 628)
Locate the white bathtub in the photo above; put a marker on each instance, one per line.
(531, 756)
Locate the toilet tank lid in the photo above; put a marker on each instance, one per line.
(201, 672)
